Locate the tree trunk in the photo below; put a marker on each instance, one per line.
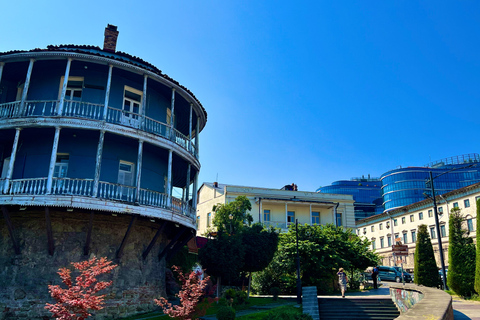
(249, 282)
(218, 287)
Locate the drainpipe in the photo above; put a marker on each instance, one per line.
(335, 214)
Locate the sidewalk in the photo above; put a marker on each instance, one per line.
(466, 310)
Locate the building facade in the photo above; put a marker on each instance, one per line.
(402, 223)
(276, 207)
(92, 144)
(367, 193)
(404, 186)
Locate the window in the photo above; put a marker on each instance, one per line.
(397, 238)
(291, 216)
(372, 228)
(395, 222)
(403, 220)
(387, 224)
(364, 230)
(6, 162)
(470, 224)
(198, 222)
(266, 215)
(315, 217)
(420, 216)
(405, 238)
(466, 202)
(209, 219)
(389, 241)
(430, 213)
(414, 236)
(125, 173)
(455, 204)
(132, 101)
(339, 219)
(61, 165)
(382, 242)
(380, 226)
(74, 88)
(443, 232)
(412, 218)
(440, 210)
(373, 244)
(432, 233)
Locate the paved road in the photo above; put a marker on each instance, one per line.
(466, 310)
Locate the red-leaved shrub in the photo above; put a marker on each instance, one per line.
(74, 302)
(190, 294)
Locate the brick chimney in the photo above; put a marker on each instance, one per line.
(111, 35)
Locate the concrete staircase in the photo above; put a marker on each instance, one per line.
(310, 302)
(357, 308)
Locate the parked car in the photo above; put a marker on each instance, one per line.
(440, 272)
(393, 274)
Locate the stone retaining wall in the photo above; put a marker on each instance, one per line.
(24, 278)
(420, 303)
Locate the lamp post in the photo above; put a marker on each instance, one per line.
(437, 225)
(299, 281)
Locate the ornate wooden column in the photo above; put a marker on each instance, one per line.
(169, 177)
(107, 92)
(53, 160)
(139, 169)
(197, 134)
(190, 128)
(26, 86)
(172, 117)
(1, 70)
(64, 87)
(98, 163)
(12, 161)
(187, 187)
(194, 193)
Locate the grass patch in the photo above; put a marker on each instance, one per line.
(474, 297)
(262, 315)
(252, 302)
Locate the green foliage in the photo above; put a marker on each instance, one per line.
(425, 271)
(286, 314)
(230, 217)
(223, 257)
(234, 297)
(183, 259)
(237, 248)
(461, 257)
(275, 291)
(226, 313)
(322, 249)
(477, 269)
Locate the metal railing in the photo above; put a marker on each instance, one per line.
(82, 109)
(94, 111)
(275, 224)
(69, 186)
(106, 190)
(33, 186)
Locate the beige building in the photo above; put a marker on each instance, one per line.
(277, 207)
(402, 223)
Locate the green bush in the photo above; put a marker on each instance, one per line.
(461, 257)
(425, 271)
(275, 291)
(235, 297)
(286, 314)
(226, 313)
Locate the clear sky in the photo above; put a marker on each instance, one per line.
(296, 91)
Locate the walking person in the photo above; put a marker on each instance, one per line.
(375, 277)
(342, 281)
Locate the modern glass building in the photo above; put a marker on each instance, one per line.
(404, 186)
(367, 193)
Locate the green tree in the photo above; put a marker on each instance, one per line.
(231, 217)
(477, 269)
(322, 250)
(461, 256)
(425, 271)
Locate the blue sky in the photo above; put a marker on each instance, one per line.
(307, 92)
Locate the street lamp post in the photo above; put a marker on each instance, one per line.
(439, 236)
(437, 225)
(299, 281)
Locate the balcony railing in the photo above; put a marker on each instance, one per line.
(275, 224)
(93, 111)
(106, 190)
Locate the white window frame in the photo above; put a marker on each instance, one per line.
(129, 117)
(71, 89)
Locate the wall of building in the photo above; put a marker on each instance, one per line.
(24, 278)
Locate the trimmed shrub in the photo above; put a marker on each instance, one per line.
(235, 297)
(477, 269)
(286, 314)
(226, 313)
(426, 271)
(275, 291)
(461, 257)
